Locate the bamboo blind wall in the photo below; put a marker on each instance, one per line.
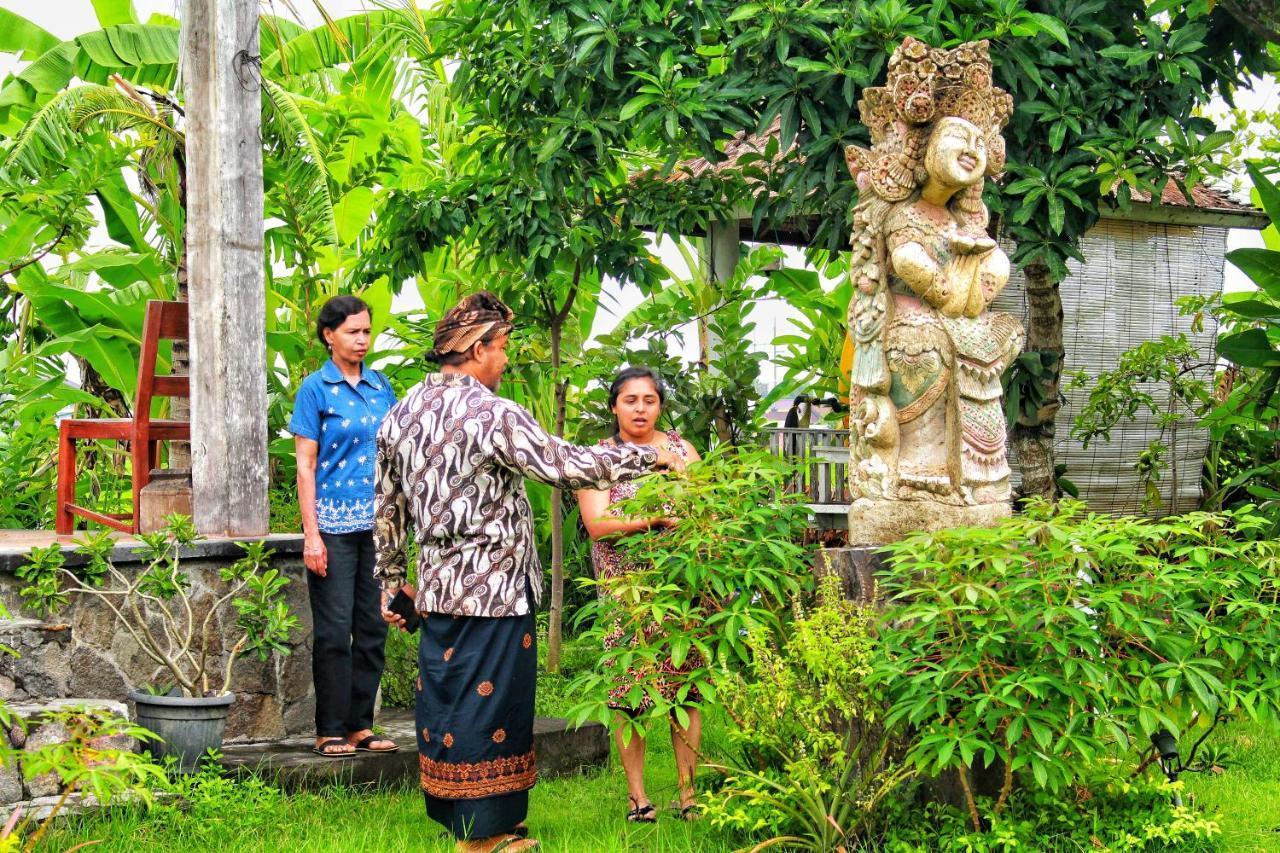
(1123, 295)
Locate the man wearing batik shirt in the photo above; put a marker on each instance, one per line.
(452, 459)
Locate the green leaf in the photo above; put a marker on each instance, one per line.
(120, 212)
(1250, 348)
(635, 105)
(1252, 309)
(1261, 265)
(352, 213)
(112, 12)
(1268, 193)
(110, 351)
(20, 36)
(1052, 26)
(329, 45)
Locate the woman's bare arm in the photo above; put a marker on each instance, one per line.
(594, 508)
(314, 554)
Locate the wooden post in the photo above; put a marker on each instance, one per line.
(221, 79)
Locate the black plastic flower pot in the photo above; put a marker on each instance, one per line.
(187, 727)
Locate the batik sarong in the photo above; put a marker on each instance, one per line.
(475, 721)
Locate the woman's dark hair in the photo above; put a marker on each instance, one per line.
(626, 375)
(336, 311)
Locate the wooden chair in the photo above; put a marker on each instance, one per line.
(164, 321)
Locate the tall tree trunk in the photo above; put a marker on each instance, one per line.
(1034, 437)
(555, 615)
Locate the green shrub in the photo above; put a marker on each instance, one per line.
(726, 570)
(555, 696)
(813, 765)
(1050, 641)
(1102, 817)
(400, 675)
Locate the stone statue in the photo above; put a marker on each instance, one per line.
(928, 427)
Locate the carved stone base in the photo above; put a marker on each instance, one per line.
(877, 522)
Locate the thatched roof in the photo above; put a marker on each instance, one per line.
(740, 145)
(1203, 197)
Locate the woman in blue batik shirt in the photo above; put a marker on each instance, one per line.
(335, 419)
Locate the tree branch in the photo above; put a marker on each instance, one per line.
(66, 227)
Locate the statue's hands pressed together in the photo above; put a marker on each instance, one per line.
(963, 244)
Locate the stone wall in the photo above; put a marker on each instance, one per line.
(82, 652)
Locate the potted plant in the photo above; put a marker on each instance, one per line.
(159, 609)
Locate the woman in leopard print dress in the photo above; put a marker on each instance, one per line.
(636, 398)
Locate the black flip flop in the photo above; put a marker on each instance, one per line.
(363, 745)
(322, 750)
(643, 814)
(689, 812)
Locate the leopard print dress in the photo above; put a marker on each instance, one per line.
(609, 562)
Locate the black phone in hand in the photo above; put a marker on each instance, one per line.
(403, 606)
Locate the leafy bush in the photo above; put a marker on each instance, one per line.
(813, 765)
(400, 673)
(85, 763)
(1048, 641)
(1106, 816)
(726, 570)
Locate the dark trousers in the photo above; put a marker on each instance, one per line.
(349, 637)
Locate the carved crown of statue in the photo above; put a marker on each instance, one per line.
(928, 436)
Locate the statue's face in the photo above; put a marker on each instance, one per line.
(957, 153)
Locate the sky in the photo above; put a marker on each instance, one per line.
(67, 18)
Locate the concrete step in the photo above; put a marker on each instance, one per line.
(292, 765)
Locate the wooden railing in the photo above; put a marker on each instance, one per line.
(824, 478)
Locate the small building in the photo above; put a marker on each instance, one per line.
(1138, 263)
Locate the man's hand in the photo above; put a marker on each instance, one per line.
(314, 555)
(395, 618)
(668, 461)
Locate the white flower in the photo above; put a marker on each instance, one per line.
(335, 390)
(346, 423)
(342, 463)
(324, 464)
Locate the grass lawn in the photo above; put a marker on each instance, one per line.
(577, 814)
(1247, 794)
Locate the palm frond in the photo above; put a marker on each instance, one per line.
(303, 161)
(62, 124)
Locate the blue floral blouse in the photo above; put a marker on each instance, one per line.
(343, 420)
